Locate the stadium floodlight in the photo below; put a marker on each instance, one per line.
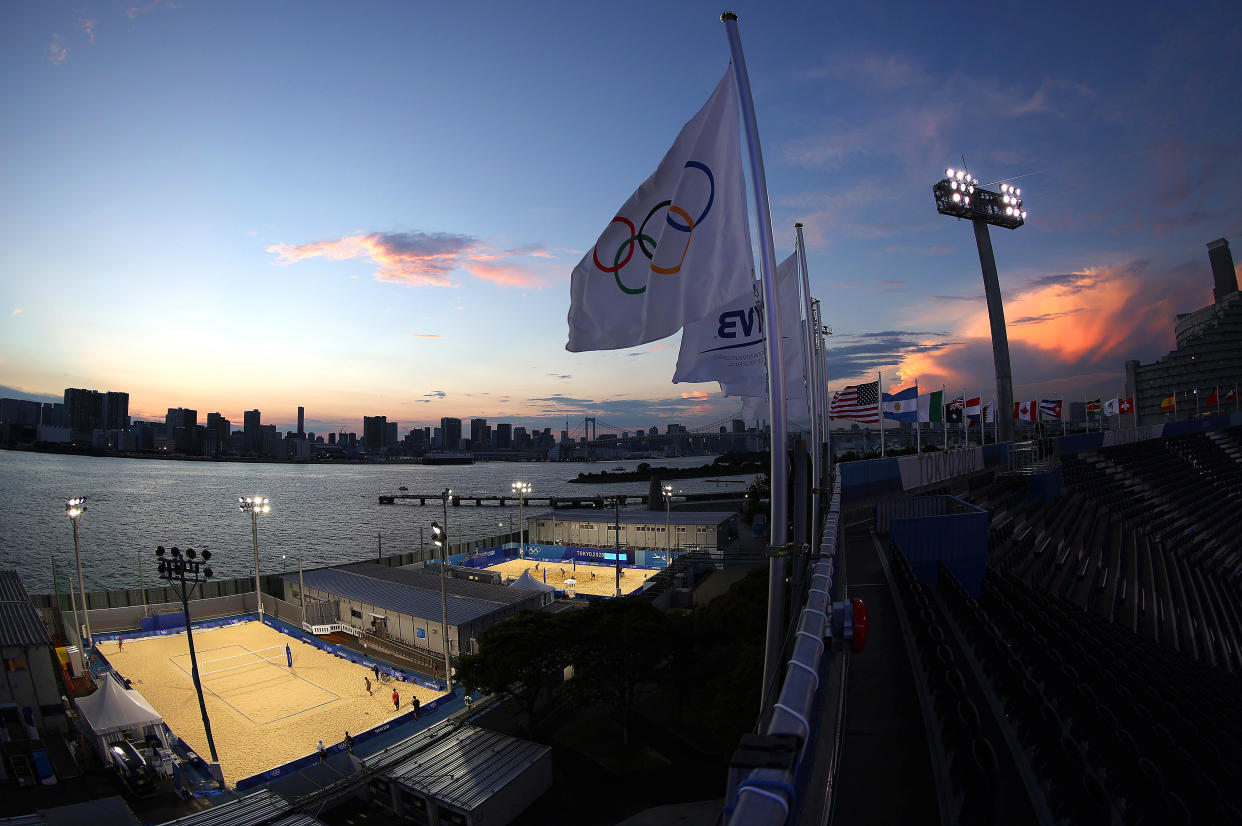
(960, 195)
(440, 539)
(74, 508)
(255, 505)
(185, 572)
(521, 489)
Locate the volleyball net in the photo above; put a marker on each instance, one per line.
(275, 655)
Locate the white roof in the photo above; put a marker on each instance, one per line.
(526, 582)
(112, 708)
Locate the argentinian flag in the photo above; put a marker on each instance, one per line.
(902, 406)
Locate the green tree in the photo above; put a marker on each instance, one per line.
(620, 644)
(523, 657)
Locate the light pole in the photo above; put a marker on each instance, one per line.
(301, 589)
(255, 505)
(440, 538)
(616, 531)
(958, 194)
(74, 509)
(668, 523)
(174, 569)
(521, 489)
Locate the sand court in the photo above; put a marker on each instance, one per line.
(259, 685)
(603, 584)
(263, 713)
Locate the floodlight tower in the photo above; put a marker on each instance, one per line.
(185, 572)
(958, 194)
(440, 537)
(255, 505)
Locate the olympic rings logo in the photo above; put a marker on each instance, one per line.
(646, 244)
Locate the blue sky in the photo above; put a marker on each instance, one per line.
(374, 208)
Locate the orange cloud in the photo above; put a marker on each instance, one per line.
(57, 51)
(420, 258)
(423, 335)
(698, 396)
(1091, 315)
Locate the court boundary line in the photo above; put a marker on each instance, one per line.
(246, 716)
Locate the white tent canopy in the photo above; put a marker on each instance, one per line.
(526, 582)
(112, 712)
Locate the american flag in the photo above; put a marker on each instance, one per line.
(860, 402)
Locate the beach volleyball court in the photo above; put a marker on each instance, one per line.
(263, 713)
(592, 580)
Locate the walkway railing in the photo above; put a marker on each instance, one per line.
(771, 771)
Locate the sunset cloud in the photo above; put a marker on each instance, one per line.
(57, 52)
(17, 311)
(86, 24)
(425, 259)
(423, 335)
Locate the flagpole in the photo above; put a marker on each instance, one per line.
(879, 380)
(808, 363)
(779, 529)
(944, 414)
(918, 425)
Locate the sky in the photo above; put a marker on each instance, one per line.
(374, 208)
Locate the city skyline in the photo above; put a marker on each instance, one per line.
(225, 207)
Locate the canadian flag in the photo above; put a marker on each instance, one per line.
(1024, 411)
(1127, 405)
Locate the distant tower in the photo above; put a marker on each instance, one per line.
(1222, 269)
(301, 422)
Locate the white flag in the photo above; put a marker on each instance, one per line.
(1112, 407)
(989, 411)
(678, 247)
(727, 344)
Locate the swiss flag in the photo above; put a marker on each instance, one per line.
(1127, 405)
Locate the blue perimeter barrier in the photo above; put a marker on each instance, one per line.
(630, 557)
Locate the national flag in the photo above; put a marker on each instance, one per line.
(727, 344)
(1026, 411)
(931, 407)
(953, 410)
(680, 245)
(972, 411)
(902, 406)
(1112, 407)
(1051, 408)
(1212, 400)
(1167, 404)
(1094, 407)
(860, 402)
(1127, 405)
(989, 412)
(1232, 395)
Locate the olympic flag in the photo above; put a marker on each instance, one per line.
(680, 245)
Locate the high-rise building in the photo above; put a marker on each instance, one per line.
(504, 436)
(252, 427)
(451, 430)
(116, 411)
(390, 434)
(301, 421)
(85, 410)
(20, 412)
(180, 417)
(477, 438)
(217, 424)
(739, 426)
(373, 428)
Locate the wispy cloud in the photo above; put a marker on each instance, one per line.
(560, 375)
(17, 311)
(57, 51)
(139, 9)
(423, 335)
(86, 24)
(423, 258)
(437, 394)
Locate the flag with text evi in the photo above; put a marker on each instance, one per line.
(727, 344)
(679, 246)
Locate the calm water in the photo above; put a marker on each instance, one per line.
(327, 513)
